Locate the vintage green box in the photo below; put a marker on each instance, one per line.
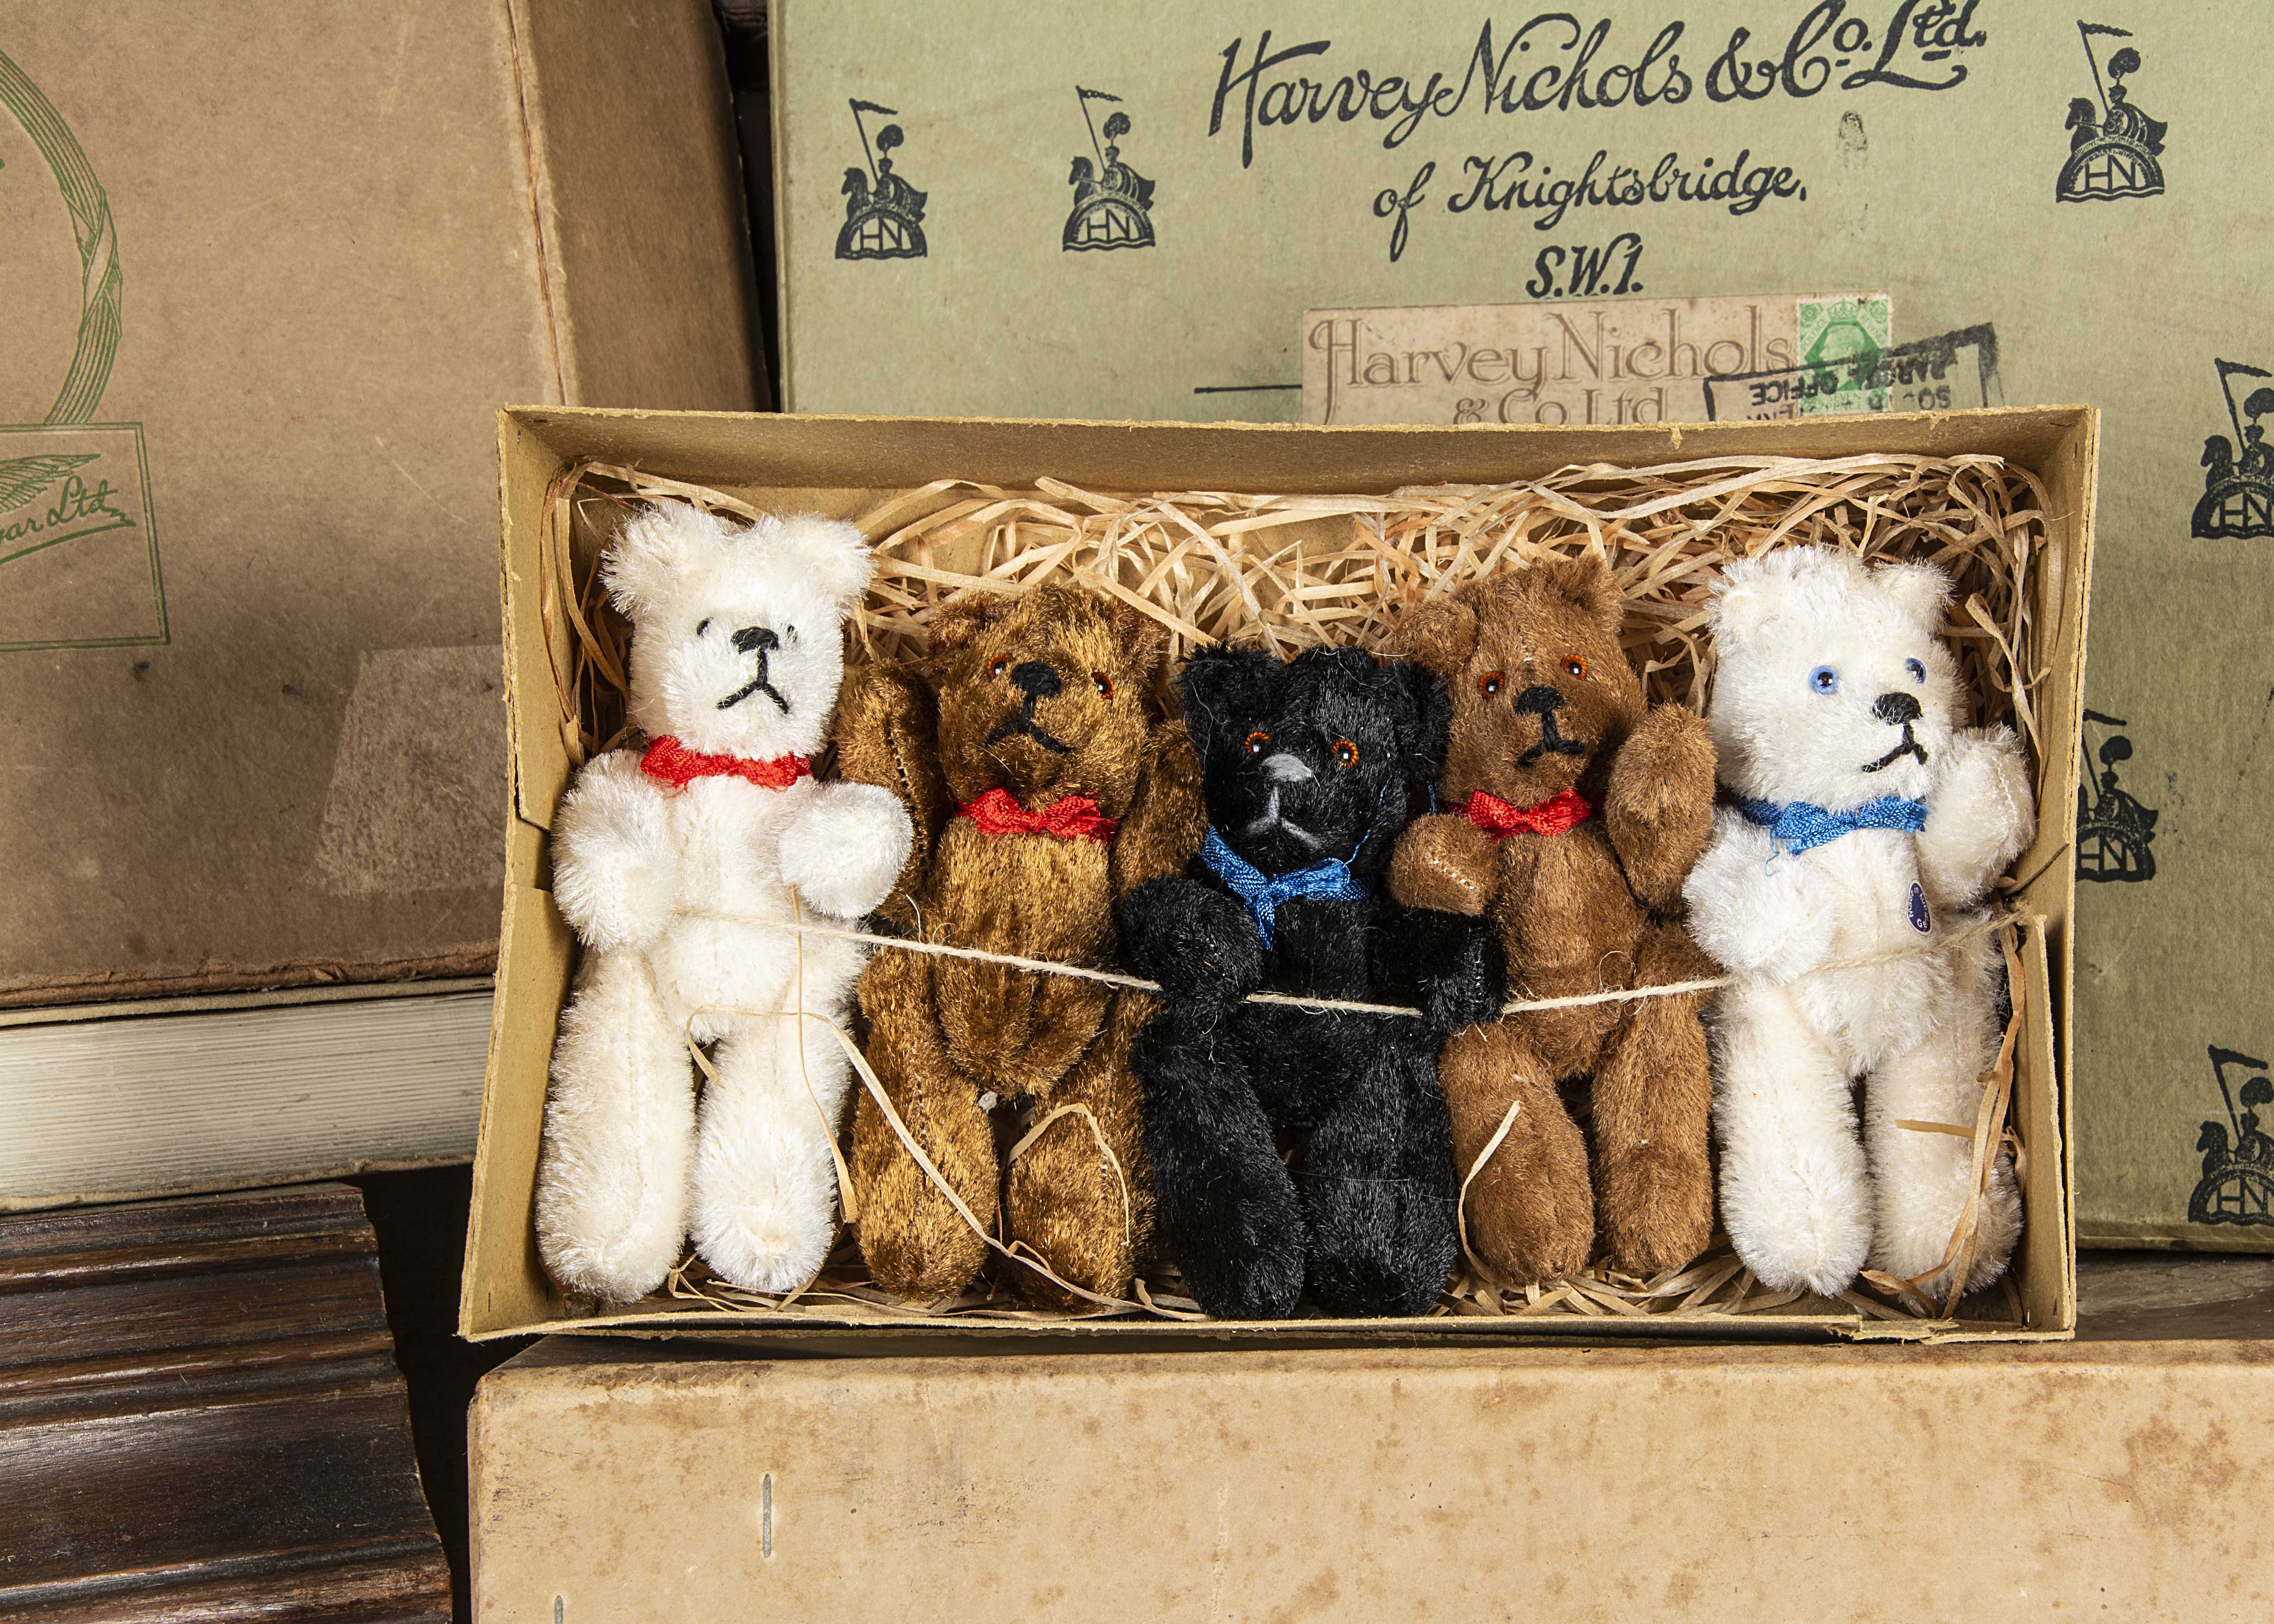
(2085, 190)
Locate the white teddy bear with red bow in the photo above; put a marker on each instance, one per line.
(1864, 825)
(671, 864)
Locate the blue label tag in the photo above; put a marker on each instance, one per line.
(1922, 921)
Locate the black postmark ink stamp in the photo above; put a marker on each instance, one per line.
(2115, 834)
(1112, 203)
(884, 215)
(2238, 499)
(1955, 370)
(2115, 151)
(2238, 1176)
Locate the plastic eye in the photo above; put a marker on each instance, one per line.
(1489, 684)
(1823, 680)
(1918, 671)
(1258, 742)
(1002, 664)
(1104, 684)
(1345, 753)
(1574, 666)
(702, 626)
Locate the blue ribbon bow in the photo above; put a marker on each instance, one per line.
(1803, 826)
(1331, 881)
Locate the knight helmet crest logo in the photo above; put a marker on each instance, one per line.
(884, 215)
(2238, 1180)
(2115, 833)
(2238, 499)
(1112, 203)
(2115, 153)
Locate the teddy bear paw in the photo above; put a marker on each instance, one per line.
(1657, 1206)
(843, 852)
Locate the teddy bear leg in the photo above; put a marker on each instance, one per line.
(1923, 1177)
(1079, 1190)
(1796, 1195)
(1529, 1209)
(619, 1131)
(765, 1184)
(1379, 1185)
(1229, 1218)
(917, 1246)
(1653, 1097)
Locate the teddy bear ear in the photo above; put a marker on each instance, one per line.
(1921, 590)
(1586, 583)
(1223, 689)
(834, 554)
(1425, 729)
(653, 553)
(1741, 602)
(1438, 633)
(961, 621)
(1142, 638)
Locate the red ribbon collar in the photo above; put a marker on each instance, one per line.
(1072, 818)
(673, 763)
(1557, 814)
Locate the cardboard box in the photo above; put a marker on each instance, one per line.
(1356, 154)
(847, 464)
(2113, 1478)
(270, 267)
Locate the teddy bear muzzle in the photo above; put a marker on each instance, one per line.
(761, 640)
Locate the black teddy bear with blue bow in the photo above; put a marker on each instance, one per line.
(1308, 764)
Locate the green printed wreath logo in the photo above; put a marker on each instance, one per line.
(67, 478)
(98, 244)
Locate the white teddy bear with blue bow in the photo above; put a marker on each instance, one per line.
(1864, 823)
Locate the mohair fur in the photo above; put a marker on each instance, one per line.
(1585, 911)
(1304, 761)
(737, 651)
(1824, 669)
(944, 1035)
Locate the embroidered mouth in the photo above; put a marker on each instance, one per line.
(756, 685)
(1024, 726)
(1552, 742)
(1270, 819)
(1908, 746)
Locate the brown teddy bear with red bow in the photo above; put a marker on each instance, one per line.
(1580, 812)
(1044, 785)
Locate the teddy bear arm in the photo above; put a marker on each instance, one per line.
(615, 867)
(1161, 830)
(1659, 807)
(1982, 814)
(1775, 923)
(845, 847)
(1452, 966)
(1445, 863)
(886, 734)
(1200, 944)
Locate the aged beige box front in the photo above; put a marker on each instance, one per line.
(847, 464)
(269, 269)
(2107, 1479)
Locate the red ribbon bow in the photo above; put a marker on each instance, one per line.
(1555, 816)
(1072, 818)
(676, 764)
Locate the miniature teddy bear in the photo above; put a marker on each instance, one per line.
(1866, 821)
(1579, 814)
(1307, 766)
(660, 858)
(1045, 786)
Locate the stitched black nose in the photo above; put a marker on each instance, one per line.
(1894, 708)
(1538, 700)
(1035, 677)
(754, 637)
